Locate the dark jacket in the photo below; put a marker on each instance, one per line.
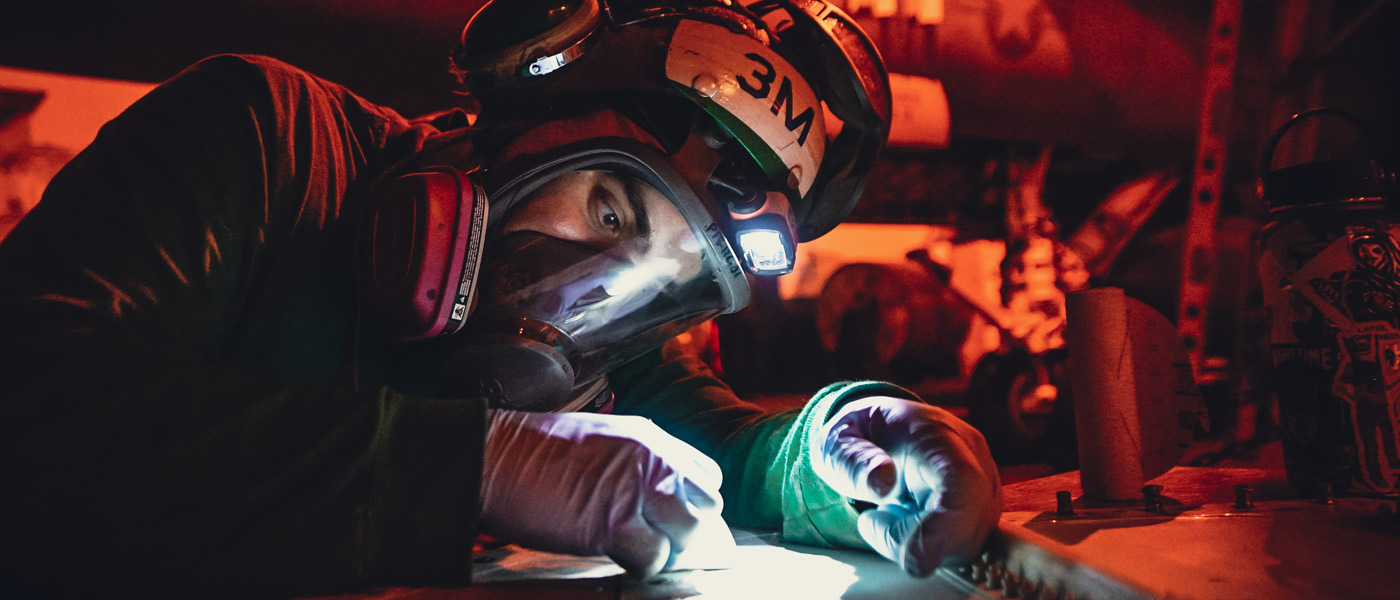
(191, 404)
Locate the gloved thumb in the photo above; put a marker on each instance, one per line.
(918, 540)
(852, 465)
(888, 529)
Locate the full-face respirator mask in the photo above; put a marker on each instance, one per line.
(539, 320)
(549, 316)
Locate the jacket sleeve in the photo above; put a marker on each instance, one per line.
(769, 481)
(141, 448)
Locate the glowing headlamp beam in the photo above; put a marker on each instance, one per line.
(765, 251)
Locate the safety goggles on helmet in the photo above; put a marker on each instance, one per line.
(554, 314)
(767, 72)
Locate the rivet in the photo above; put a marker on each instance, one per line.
(794, 176)
(1011, 585)
(1064, 504)
(1152, 498)
(1242, 497)
(1324, 493)
(705, 84)
(994, 575)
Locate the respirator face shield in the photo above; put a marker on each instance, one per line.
(601, 256)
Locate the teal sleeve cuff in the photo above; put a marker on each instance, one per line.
(813, 512)
(420, 523)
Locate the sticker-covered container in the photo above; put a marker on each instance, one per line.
(1330, 272)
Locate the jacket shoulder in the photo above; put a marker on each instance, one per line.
(274, 88)
(250, 67)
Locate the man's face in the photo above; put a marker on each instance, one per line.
(611, 213)
(594, 208)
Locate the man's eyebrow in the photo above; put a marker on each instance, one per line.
(633, 188)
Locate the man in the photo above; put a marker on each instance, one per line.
(247, 346)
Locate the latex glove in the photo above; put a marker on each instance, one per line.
(590, 484)
(934, 482)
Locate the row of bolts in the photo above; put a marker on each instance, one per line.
(1152, 498)
(987, 572)
(993, 577)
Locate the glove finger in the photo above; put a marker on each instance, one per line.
(947, 472)
(704, 499)
(699, 537)
(710, 546)
(638, 548)
(942, 536)
(682, 457)
(853, 465)
(706, 473)
(887, 529)
(645, 531)
(961, 503)
(673, 508)
(694, 482)
(701, 470)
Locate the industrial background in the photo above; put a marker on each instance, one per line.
(1044, 146)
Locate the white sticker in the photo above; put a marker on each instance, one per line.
(755, 85)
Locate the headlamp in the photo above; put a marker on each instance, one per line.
(762, 228)
(765, 244)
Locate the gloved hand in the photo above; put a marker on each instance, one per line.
(590, 484)
(936, 489)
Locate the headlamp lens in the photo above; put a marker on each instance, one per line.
(763, 251)
(766, 246)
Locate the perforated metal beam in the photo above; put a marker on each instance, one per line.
(1198, 251)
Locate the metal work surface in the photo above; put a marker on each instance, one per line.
(1203, 534)
(1207, 533)
(760, 566)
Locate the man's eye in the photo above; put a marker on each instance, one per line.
(608, 217)
(608, 203)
